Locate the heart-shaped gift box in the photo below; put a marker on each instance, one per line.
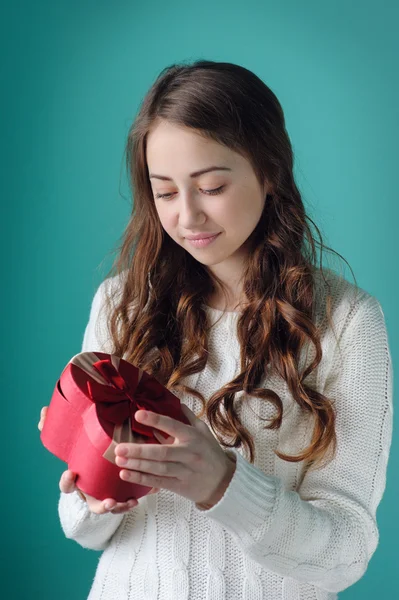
(92, 410)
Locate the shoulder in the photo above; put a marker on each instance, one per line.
(105, 298)
(110, 289)
(114, 284)
(351, 334)
(345, 298)
(357, 320)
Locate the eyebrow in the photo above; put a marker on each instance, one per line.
(195, 174)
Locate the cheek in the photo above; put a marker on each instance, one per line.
(237, 214)
(168, 223)
(165, 219)
(242, 217)
(169, 227)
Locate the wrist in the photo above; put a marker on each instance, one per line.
(224, 484)
(81, 494)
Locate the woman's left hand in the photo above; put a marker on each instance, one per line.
(193, 465)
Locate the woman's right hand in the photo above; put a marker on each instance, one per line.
(67, 485)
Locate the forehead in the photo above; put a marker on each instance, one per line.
(174, 146)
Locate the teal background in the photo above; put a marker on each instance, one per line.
(73, 75)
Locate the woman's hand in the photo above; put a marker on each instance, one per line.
(194, 465)
(67, 485)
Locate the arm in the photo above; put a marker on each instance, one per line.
(77, 521)
(83, 526)
(326, 532)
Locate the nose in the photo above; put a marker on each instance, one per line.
(191, 214)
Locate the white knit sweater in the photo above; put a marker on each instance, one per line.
(278, 532)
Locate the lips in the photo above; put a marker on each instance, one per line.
(202, 236)
(204, 242)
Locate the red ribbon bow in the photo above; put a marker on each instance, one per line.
(118, 401)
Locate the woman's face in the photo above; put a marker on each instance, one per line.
(174, 154)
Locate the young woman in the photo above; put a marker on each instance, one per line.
(282, 367)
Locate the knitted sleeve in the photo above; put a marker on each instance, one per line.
(77, 521)
(325, 532)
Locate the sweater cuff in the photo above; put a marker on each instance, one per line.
(249, 499)
(75, 511)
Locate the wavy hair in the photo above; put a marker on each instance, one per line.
(166, 333)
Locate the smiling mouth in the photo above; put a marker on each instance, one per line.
(203, 237)
(203, 242)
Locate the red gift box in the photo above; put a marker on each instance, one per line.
(92, 410)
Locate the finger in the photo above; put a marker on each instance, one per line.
(150, 480)
(99, 507)
(67, 482)
(189, 413)
(166, 424)
(161, 438)
(155, 467)
(196, 422)
(160, 452)
(111, 503)
(121, 507)
(43, 414)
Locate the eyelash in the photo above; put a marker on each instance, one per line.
(210, 192)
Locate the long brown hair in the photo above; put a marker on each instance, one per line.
(166, 333)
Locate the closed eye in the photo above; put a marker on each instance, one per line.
(210, 192)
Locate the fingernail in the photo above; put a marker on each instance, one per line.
(143, 415)
(122, 451)
(108, 506)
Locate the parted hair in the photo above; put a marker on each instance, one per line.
(158, 321)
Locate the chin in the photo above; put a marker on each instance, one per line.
(210, 261)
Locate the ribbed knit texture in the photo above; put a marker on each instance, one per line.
(279, 532)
